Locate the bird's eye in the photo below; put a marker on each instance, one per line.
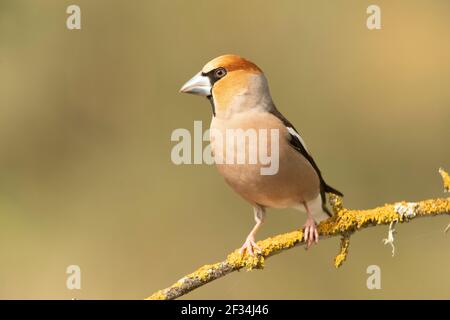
(220, 72)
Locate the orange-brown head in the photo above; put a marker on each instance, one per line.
(231, 83)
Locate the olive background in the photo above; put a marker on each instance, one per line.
(86, 118)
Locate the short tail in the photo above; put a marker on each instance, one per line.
(329, 189)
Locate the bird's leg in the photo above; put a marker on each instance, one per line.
(310, 234)
(250, 244)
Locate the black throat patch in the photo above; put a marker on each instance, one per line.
(213, 107)
(213, 78)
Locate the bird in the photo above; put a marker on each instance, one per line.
(239, 95)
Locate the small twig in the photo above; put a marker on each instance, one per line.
(447, 228)
(343, 223)
(342, 256)
(390, 238)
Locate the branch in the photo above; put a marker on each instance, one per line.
(344, 223)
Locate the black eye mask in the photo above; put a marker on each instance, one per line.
(213, 78)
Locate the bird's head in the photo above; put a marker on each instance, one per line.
(232, 84)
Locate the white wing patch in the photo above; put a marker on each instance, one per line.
(295, 134)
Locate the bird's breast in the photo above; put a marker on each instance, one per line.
(253, 154)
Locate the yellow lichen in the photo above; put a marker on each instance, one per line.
(203, 272)
(157, 296)
(340, 258)
(336, 202)
(268, 247)
(446, 179)
(434, 206)
(279, 242)
(344, 222)
(239, 261)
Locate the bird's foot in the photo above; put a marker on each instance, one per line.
(310, 233)
(250, 246)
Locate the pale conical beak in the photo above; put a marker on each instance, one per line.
(199, 85)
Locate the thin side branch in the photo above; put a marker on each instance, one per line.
(344, 223)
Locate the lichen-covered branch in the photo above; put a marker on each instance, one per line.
(344, 223)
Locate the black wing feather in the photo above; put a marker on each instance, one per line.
(297, 145)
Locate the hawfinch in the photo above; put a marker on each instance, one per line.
(239, 95)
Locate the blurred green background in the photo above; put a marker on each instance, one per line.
(85, 124)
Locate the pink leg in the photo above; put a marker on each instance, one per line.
(250, 245)
(310, 234)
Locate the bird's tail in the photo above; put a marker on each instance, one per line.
(323, 192)
(330, 189)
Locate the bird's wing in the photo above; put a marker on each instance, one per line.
(296, 141)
